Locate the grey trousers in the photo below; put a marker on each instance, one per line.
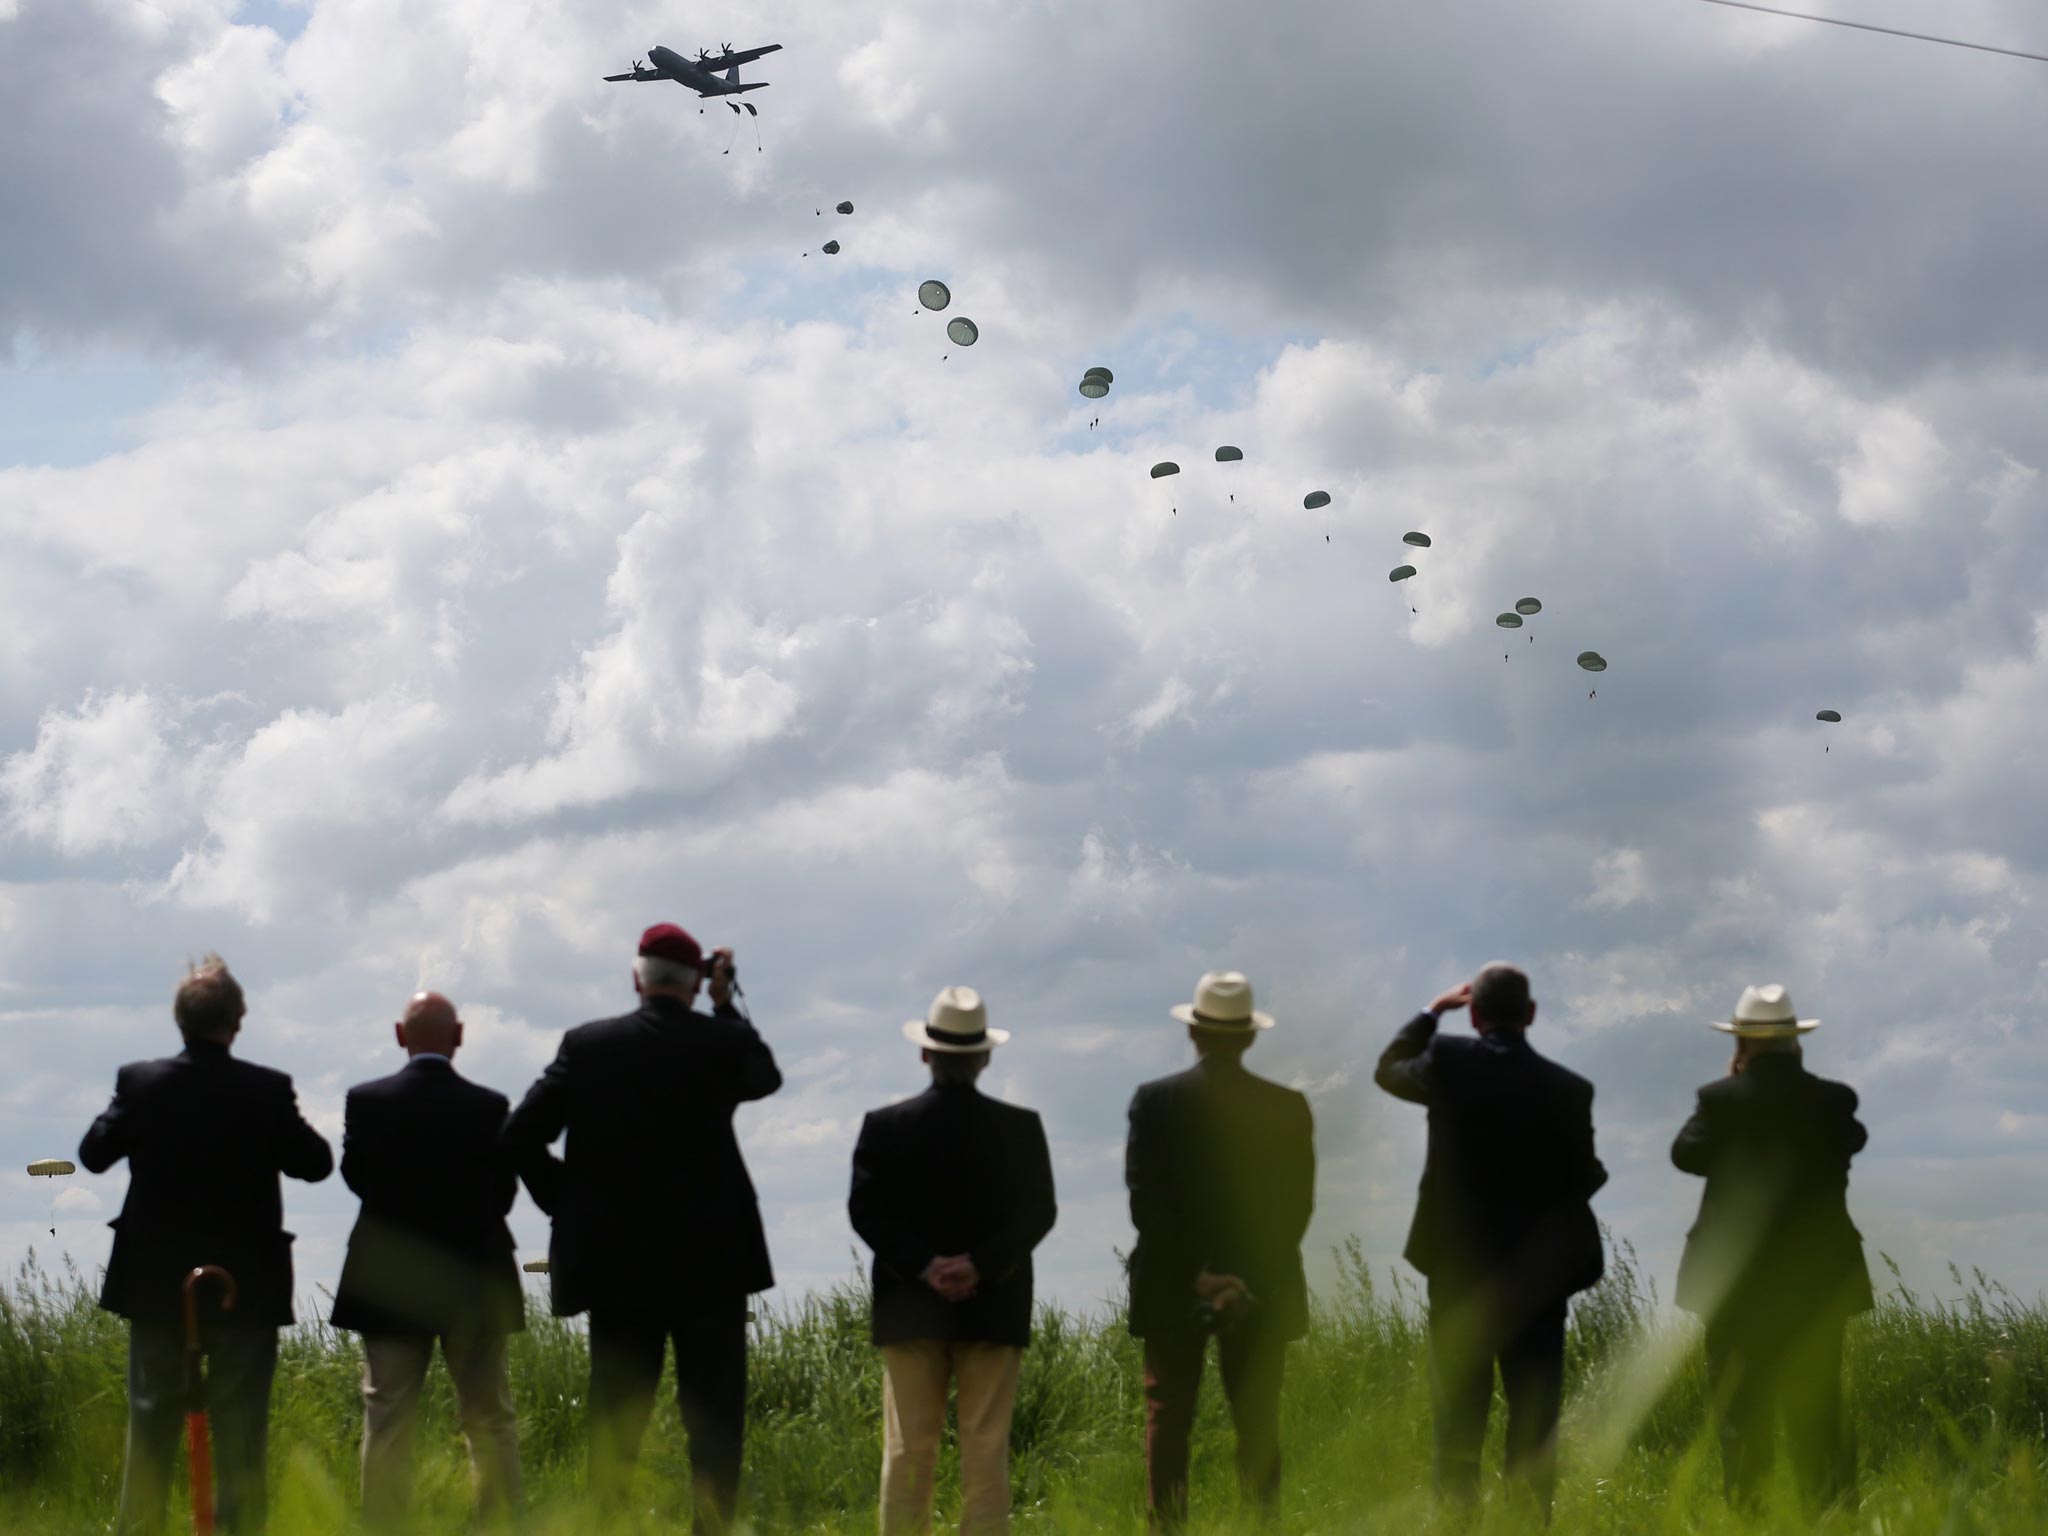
(394, 1371)
(240, 1363)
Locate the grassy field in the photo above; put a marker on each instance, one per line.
(1950, 1399)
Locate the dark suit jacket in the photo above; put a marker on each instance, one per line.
(1221, 1167)
(430, 1252)
(1510, 1167)
(653, 1209)
(952, 1171)
(206, 1136)
(1773, 1233)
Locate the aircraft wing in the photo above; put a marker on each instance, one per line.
(641, 74)
(744, 56)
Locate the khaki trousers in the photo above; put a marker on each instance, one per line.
(915, 1377)
(394, 1370)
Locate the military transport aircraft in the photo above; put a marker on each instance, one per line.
(701, 73)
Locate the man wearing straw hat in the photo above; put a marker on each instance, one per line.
(1503, 1230)
(952, 1190)
(1774, 1267)
(1221, 1167)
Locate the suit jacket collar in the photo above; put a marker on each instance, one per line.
(1776, 1064)
(669, 1009)
(431, 1061)
(205, 1050)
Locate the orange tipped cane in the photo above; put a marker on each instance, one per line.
(198, 1449)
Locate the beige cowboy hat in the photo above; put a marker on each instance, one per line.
(957, 1022)
(1223, 1001)
(1764, 1012)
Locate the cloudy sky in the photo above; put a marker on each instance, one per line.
(454, 515)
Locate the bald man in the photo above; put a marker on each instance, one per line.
(431, 1258)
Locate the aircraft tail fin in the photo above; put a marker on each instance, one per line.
(732, 76)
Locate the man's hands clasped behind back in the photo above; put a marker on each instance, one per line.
(954, 1278)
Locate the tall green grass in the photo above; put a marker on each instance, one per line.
(1950, 1398)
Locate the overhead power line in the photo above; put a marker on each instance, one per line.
(1864, 26)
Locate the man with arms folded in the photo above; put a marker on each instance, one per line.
(1774, 1267)
(952, 1190)
(1503, 1230)
(431, 1257)
(206, 1137)
(657, 1232)
(1221, 1168)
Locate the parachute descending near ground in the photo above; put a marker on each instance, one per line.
(1832, 716)
(1229, 455)
(1419, 540)
(1527, 606)
(535, 1266)
(1315, 499)
(1508, 620)
(1401, 573)
(831, 247)
(963, 331)
(1095, 383)
(933, 294)
(846, 207)
(50, 1168)
(1164, 468)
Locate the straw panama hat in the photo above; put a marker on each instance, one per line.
(1223, 1001)
(957, 1022)
(1765, 1011)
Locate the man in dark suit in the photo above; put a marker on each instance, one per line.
(952, 1190)
(431, 1257)
(1503, 1230)
(657, 1232)
(1221, 1167)
(1774, 1267)
(206, 1137)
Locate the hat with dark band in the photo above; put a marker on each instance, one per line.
(957, 1023)
(1223, 1002)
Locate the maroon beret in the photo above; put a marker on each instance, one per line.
(665, 941)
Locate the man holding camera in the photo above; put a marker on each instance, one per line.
(657, 1231)
(1221, 1167)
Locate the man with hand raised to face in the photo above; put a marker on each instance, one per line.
(431, 1258)
(953, 1190)
(1221, 1168)
(1503, 1228)
(657, 1230)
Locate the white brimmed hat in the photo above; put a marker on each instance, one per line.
(1223, 1002)
(956, 1022)
(1764, 1012)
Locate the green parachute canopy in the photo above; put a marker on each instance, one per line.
(1100, 373)
(50, 1168)
(1832, 716)
(933, 294)
(1401, 573)
(1094, 388)
(1228, 455)
(1419, 540)
(831, 247)
(1528, 605)
(965, 332)
(1508, 620)
(1164, 468)
(535, 1266)
(1592, 661)
(1316, 499)
(846, 207)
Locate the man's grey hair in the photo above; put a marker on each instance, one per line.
(657, 971)
(957, 1066)
(1500, 995)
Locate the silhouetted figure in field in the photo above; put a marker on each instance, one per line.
(952, 1190)
(1221, 1168)
(431, 1258)
(1774, 1267)
(657, 1231)
(1503, 1230)
(206, 1137)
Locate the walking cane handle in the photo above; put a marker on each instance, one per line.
(227, 1298)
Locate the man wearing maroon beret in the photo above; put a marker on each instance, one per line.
(657, 1232)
